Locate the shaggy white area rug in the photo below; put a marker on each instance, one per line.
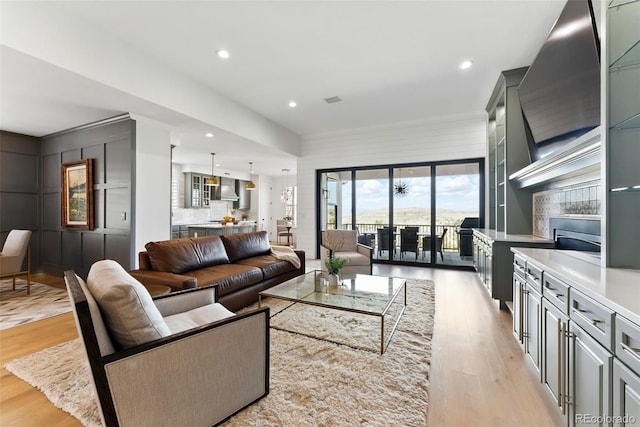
(17, 308)
(313, 382)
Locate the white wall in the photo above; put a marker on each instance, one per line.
(152, 216)
(448, 138)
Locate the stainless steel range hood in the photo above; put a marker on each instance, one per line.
(228, 189)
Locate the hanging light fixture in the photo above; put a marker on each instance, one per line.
(212, 181)
(400, 188)
(286, 192)
(250, 184)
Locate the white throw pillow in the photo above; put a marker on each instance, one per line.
(130, 313)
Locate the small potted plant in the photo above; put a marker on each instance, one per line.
(288, 219)
(334, 267)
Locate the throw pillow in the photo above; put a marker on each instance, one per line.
(129, 311)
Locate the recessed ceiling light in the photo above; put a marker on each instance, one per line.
(293, 104)
(224, 54)
(208, 135)
(465, 65)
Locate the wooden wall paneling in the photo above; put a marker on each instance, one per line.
(118, 161)
(96, 152)
(51, 247)
(117, 248)
(109, 143)
(71, 155)
(72, 249)
(92, 248)
(19, 172)
(19, 210)
(51, 173)
(52, 220)
(117, 208)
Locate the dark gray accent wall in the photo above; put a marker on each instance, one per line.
(20, 188)
(111, 145)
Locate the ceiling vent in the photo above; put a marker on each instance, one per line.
(332, 99)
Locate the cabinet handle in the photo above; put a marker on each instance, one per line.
(560, 390)
(580, 314)
(635, 352)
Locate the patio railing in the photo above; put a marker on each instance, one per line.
(450, 242)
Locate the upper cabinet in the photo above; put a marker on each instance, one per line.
(196, 194)
(508, 150)
(622, 116)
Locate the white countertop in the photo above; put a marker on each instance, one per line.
(501, 236)
(616, 288)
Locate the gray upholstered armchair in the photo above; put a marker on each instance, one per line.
(15, 248)
(179, 359)
(344, 244)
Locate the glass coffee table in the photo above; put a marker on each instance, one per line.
(358, 293)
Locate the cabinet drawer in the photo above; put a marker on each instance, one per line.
(556, 291)
(534, 276)
(519, 265)
(593, 317)
(628, 343)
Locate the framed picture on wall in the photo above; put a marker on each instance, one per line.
(77, 195)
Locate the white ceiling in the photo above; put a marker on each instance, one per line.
(389, 61)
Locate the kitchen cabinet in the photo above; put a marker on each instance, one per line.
(531, 322)
(590, 370)
(510, 207)
(196, 194)
(493, 260)
(179, 231)
(589, 352)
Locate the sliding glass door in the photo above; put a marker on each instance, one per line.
(408, 214)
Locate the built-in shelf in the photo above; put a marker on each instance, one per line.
(581, 157)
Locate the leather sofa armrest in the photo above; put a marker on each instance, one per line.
(176, 282)
(301, 255)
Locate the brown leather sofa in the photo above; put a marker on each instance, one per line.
(238, 265)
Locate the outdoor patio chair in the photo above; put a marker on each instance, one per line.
(409, 241)
(179, 359)
(426, 244)
(383, 240)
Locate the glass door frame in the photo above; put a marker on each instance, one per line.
(321, 192)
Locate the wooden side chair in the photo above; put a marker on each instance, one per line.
(15, 248)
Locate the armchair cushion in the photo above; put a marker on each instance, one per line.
(197, 317)
(340, 240)
(130, 313)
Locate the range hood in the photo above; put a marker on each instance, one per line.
(228, 189)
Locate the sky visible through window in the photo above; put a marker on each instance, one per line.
(454, 192)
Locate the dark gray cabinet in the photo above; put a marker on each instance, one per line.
(196, 193)
(510, 208)
(553, 352)
(590, 374)
(493, 260)
(626, 395)
(622, 175)
(531, 322)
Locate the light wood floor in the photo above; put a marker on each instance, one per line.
(479, 376)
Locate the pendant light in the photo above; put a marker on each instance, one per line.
(250, 184)
(212, 181)
(286, 192)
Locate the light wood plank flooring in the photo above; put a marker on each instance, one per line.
(479, 376)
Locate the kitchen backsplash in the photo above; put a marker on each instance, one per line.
(583, 200)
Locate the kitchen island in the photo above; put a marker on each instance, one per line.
(217, 229)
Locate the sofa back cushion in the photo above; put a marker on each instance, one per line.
(246, 245)
(129, 311)
(182, 255)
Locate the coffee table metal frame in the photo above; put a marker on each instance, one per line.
(303, 289)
